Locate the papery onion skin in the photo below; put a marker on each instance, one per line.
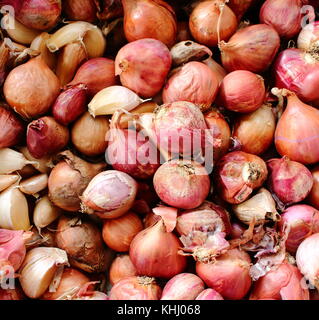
(180, 127)
(283, 283)
(297, 132)
(121, 268)
(136, 288)
(149, 19)
(242, 91)
(12, 128)
(184, 286)
(82, 241)
(182, 184)
(70, 104)
(135, 63)
(83, 10)
(239, 7)
(153, 248)
(255, 131)
(11, 294)
(229, 275)
(308, 38)
(31, 88)
(96, 74)
(291, 181)
(298, 72)
(45, 136)
(39, 14)
(193, 82)
(71, 281)
(284, 16)
(118, 233)
(110, 194)
(203, 22)
(246, 49)
(237, 174)
(313, 197)
(303, 220)
(218, 70)
(209, 294)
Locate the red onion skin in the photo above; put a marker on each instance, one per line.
(240, 7)
(303, 221)
(184, 286)
(284, 283)
(298, 72)
(309, 36)
(182, 184)
(39, 14)
(237, 230)
(96, 74)
(180, 127)
(132, 289)
(229, 275)
(83, 10)
(246, 49)
(313, 197)
(121, 267)
(45, 136)
(127, 148)
(284, 16)
(242, 91)
(70, 104)
(12, 128)
(235, 185)
(11, 294)
(209, 294)
(135, 63)
(154, 252)
(291, 181)
(194, 82)
(297, 132)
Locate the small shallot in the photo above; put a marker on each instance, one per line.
(121, 267)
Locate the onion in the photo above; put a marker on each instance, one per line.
(39, 14)
(183, 32)
(96, 74)
(209, 294)
(286, 22)
(70, 283)
(130, 151)
(135, 63)
(12, 128)
(218, 70)
(180, 127)
(121, 268)
(119, 233)
(212, 21)
(246, 49)
(154, 252)
(31, 88)
(70, 104)
(239, 7)
(297, 132)
(221, 132)
(86, 293)
(109, 194)
(228, 275)
(283, 283)
(83, 10)
(238, 174)
(182, 184)
(308, 39)
(237, 230)
(11, 294)
(242, 91)
(290, 181)
(184, 286)
(255, 131)
(313, 195)
(45, 136)
(149, 19)
(136, 288)
(88, 134)
(83, 243)
(68, 180)
(303, 220)
(298, 71)
(193, 82)
(109, 9)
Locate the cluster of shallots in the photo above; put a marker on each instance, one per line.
(159, 150)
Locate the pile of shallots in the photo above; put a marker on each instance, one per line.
(159, 150)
